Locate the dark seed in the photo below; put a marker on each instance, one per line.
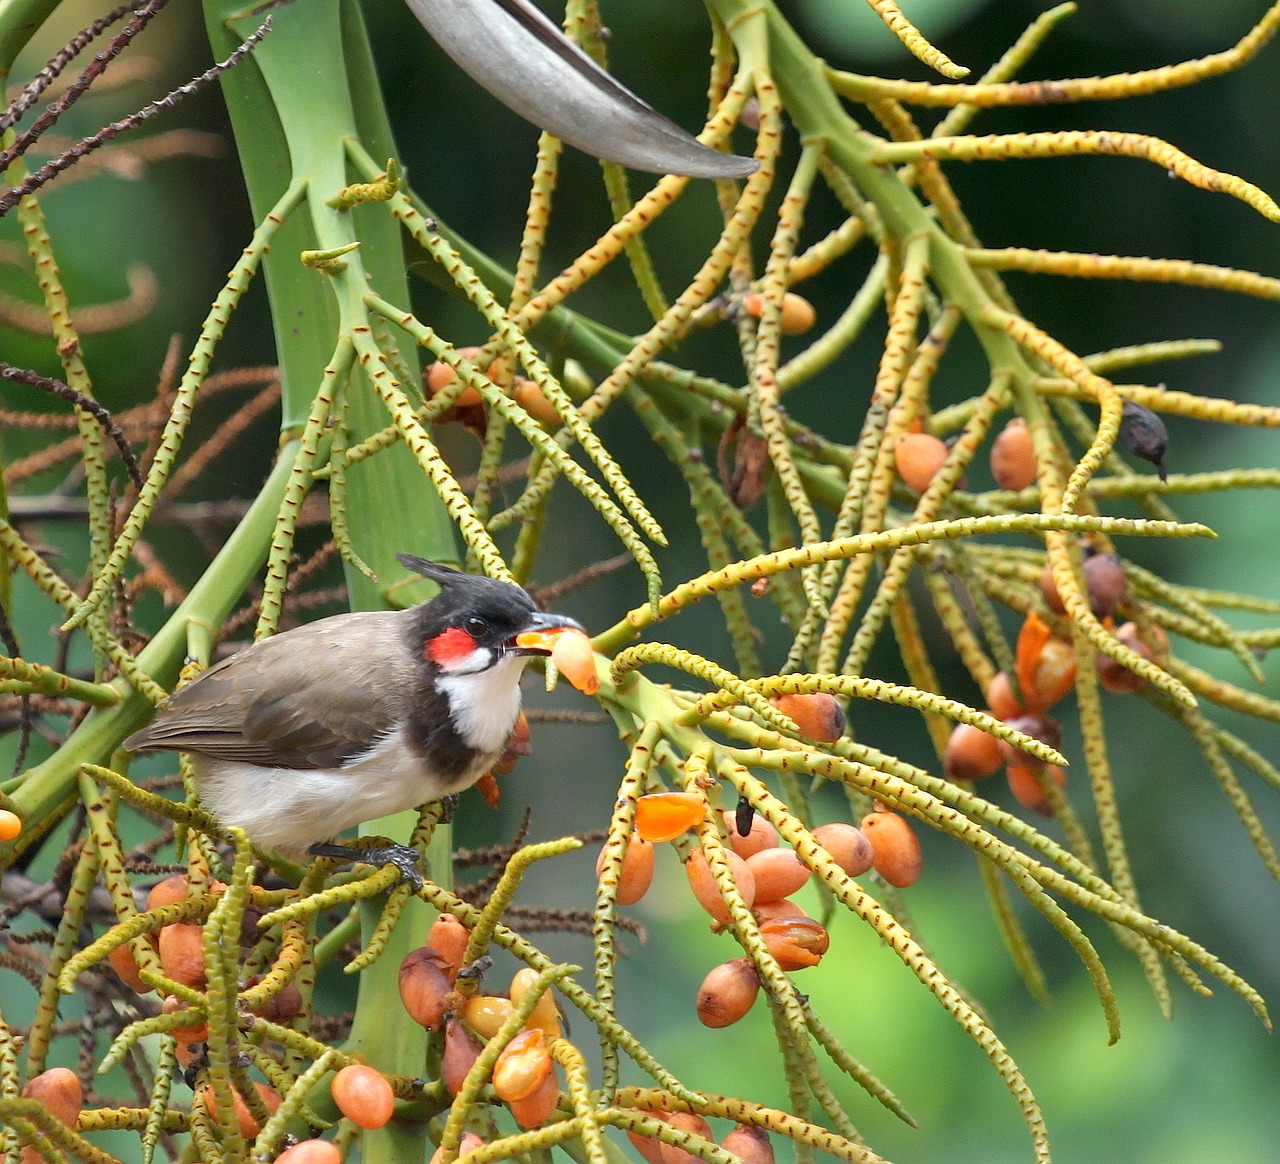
(1143, 433)
(742, 816)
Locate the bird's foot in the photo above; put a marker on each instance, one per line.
(405, 858)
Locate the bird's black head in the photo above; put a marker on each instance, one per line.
(473, 622)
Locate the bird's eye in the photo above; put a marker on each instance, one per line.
(477, 627)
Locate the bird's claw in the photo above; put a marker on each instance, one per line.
(404, 858)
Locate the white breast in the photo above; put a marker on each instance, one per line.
(485, 703)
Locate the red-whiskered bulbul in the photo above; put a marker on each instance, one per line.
(357, 716)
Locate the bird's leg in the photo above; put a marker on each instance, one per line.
(405, 858)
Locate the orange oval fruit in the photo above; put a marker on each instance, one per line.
(695, 1125)
(1013, 456)
(485, 1013)
(918, 456)
(707, 891)
(764, 911)
(636, 874)
(459, 1055)
(649, 1148)
(522, 1067)
(897, 849)
(817, 714)
(440, 374)
(126, 966)
(1001, 701)
(468, 1144)
(424, 988)
(750, 1144)
(795, 942)
(972, 754)
(197, 1032)
(1026, 787)
(170, 891)
(310, 1152)
(761, 834)
(182, 954)
(364, 1095)
(848, 847)
(663, 816)
(60, 1092)
(727, 993)
(448, 937)
(573, 654)
(798, 314)
(544, 1016)
(534, 401)
(776, 873)
(249, 1128)
(535, 1109)
(10, 825)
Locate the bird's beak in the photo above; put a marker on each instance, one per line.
(539, 633)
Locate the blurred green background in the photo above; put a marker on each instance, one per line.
(1202, 1088)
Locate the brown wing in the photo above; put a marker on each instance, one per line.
(308, 698)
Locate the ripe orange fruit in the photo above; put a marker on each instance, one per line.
(485, 1013)
(707, 891)
(971, 753)
(544, 1016)
(10, 825)
(448, 937)
(663, 816)
(764, 911)
(647, 1146)
(469, 1143)
(424, 988)
(848, 847)
(750, 1144)
(798, 314)
(572, 653)
(1001, 701)
(59, 1091)
(1013, 456)
(796, 942)
(1026, 788)
(534, 1110)
(817, 714)
(532, 399)
(918, 457)
(197, 1032)
(727, 993)
(310, 1152)
(897, 849)
(522, 1067)
(364, 1095)
(170, 891)
(249, 1128)
(440, 374)
(777, 873)
(686, 1121)
(125, 965)
(636, 874)
(761, 835)
(182, 954)
(460, 1052)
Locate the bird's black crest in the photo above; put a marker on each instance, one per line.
(442, 575)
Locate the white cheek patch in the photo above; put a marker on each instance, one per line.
(468, 664)
(485, 703)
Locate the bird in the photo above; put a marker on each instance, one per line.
(356, 716)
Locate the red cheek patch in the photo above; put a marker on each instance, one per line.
(449, 646)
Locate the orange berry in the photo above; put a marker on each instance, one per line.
(249, 1128)
(647, 1146)
(544, 1016)
(170, 891)
(798, 314)
(532, 399)
(761, 834)
(182, 954)
(10, 825)
(468, 1144)
(777, 873)
(572, 653)
(727, 993)
(897, 849)
(460, 1051)
(440, 374)
(848, 847)
(918, 456)
(59, 1091)
(686, 1121)
(534, 1110)
(522, 1067)
(707, 891)
(187, 1053)
(424, 988)
(971, 753)
(448, 937)
(197, 1032)
(1013, 456)
(1046, 666)
(364, 1095)
(485, 1013)
(1026, 787)
(281, 1007)
(310, 1152)
(663, 816)
(750, 1144)
(796, 942)
(636, 874)
(784, 907)
(817, 714)
(1001, 701)
(126, 966)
